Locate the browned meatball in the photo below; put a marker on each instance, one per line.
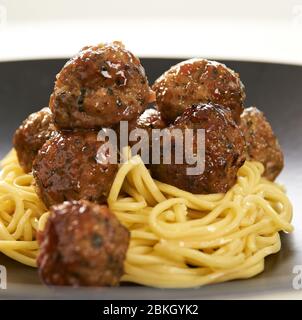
(31, 135)
(83, 244)
(198, 81)
(262, 144)
(66, 168)
(148, 120)
(99, 87)
(224, 151)
(151, 119)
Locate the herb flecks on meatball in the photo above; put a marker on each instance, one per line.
(83, 244)
(67, 168)
(99, 87)
(31, 135)
(262, 144)
(224, 151)
(150, 119)
(198, 81)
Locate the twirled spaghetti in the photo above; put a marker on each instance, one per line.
(22, 213)
(178, 239)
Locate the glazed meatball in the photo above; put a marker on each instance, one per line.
(31, 135)
(66, 168)
(99, 87)
(83, 244)
(262, 144)
(224, 151)
(150, 119)
(198, 81)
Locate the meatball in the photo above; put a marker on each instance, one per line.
(198, 81)
(262, 144)
(66, 168)
(83, 244)
(224, 151)
(150, 119)
(31, 135)
(99, 87)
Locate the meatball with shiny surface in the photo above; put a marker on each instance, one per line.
(66, 168)
(31, 135)
(262, 144)
(150, 119)
(224, 151)
(198, 81)
(83, 244)
(99, 87)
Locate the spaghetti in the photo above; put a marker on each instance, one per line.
(22, 213)
(181, 240)
(178, 239)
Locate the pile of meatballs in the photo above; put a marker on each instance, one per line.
(83, 243)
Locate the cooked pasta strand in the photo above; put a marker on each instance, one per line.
(178, 239)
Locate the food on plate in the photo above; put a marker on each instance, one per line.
(262, 144)
(31, 135)
(178, 239)
(149, 120)
(66, 168)
(99, 87)
(22, 212)
(224, 151)
(198, 80)
(183, 240)
(86, 220)
(83, 244)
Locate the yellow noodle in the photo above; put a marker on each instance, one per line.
(21, 212)
(227, 237)
(178, 239)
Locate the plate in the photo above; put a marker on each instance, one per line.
(276, 89)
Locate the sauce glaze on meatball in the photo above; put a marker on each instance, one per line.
(83, 244)
(262, 144)
(66, 168)
(99, 87)
(31, 135)
(148, 120)
(198, 81)
(224, 151)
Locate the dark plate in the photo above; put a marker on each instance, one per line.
(276, 89)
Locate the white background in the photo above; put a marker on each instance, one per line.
(234, 29)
